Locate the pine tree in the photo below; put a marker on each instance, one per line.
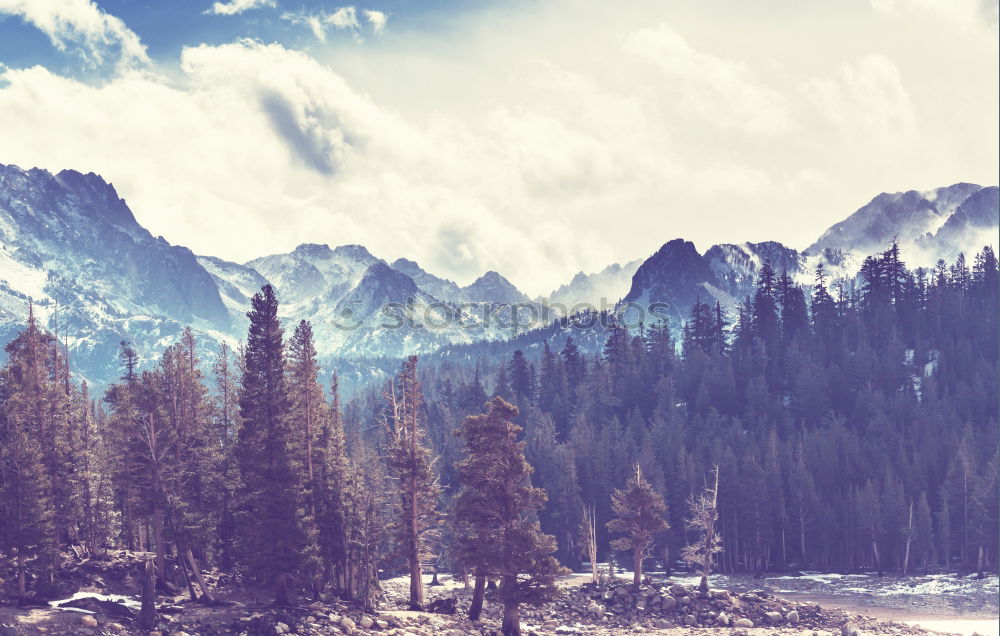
(306, 412)
(27, 531)
(410, 462)
(332, 483)
(639, 514)
(496, 505)
(270, 533)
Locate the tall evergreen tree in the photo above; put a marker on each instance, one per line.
(270, 531)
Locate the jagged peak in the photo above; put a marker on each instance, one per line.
(355, 251)
(313, 250)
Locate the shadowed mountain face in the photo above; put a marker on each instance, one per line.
(676, 275)
(71, 245)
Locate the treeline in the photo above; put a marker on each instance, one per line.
(855, 428)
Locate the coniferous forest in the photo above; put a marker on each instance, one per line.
(850, 426)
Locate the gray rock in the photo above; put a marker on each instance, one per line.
(723, 619)
(668, 603)
(366, 622)
(743, 622)
(849, 629)
(792, 617)
(775, 618)
(678, 590)
(689, 619)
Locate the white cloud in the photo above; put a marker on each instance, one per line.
(537, 142)
(868, 98)
(966, 14)
(343, 18)
(234, 7)
(376, 19)
(82, 25)
(711, 86)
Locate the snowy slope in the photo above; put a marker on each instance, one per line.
(70, 244)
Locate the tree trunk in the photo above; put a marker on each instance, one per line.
(476, 608)
(909, 539)
(281, 590)
(160, 548)
(637, 566)
(511, 608)
(147, 614)
(802, 537)
(416, 583)
(416, 580)
(206, 595)
(22, 588)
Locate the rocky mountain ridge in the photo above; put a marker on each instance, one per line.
(70, 245)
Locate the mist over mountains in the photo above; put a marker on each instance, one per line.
(71, 246)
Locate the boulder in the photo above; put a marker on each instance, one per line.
(595, 609)
(678, 590)
(668, 603)
(366, 622)
(792, 617)
(775, 618)
(722, 619)
(742, 623)
(849, 629)
(348, 625)
(443, 606)
(88, 621)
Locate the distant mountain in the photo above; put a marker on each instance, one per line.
(491, 287)
(737, 267)
(70, 245)
(312, 272)
(928, 225)
(440, 288)
(605, 287)
(68, 241)
(904, 216)
(974, 223)
(675, 276)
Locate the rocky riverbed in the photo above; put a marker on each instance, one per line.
(659, 606)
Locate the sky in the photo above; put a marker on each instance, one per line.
(535, 138)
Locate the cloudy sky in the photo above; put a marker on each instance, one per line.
(537, 138)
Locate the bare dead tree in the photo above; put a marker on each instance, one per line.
(703, 516)
(588, 538)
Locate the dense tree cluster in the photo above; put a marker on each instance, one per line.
(849, 426)
(830, 411)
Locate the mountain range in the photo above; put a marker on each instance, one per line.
(71, 246)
